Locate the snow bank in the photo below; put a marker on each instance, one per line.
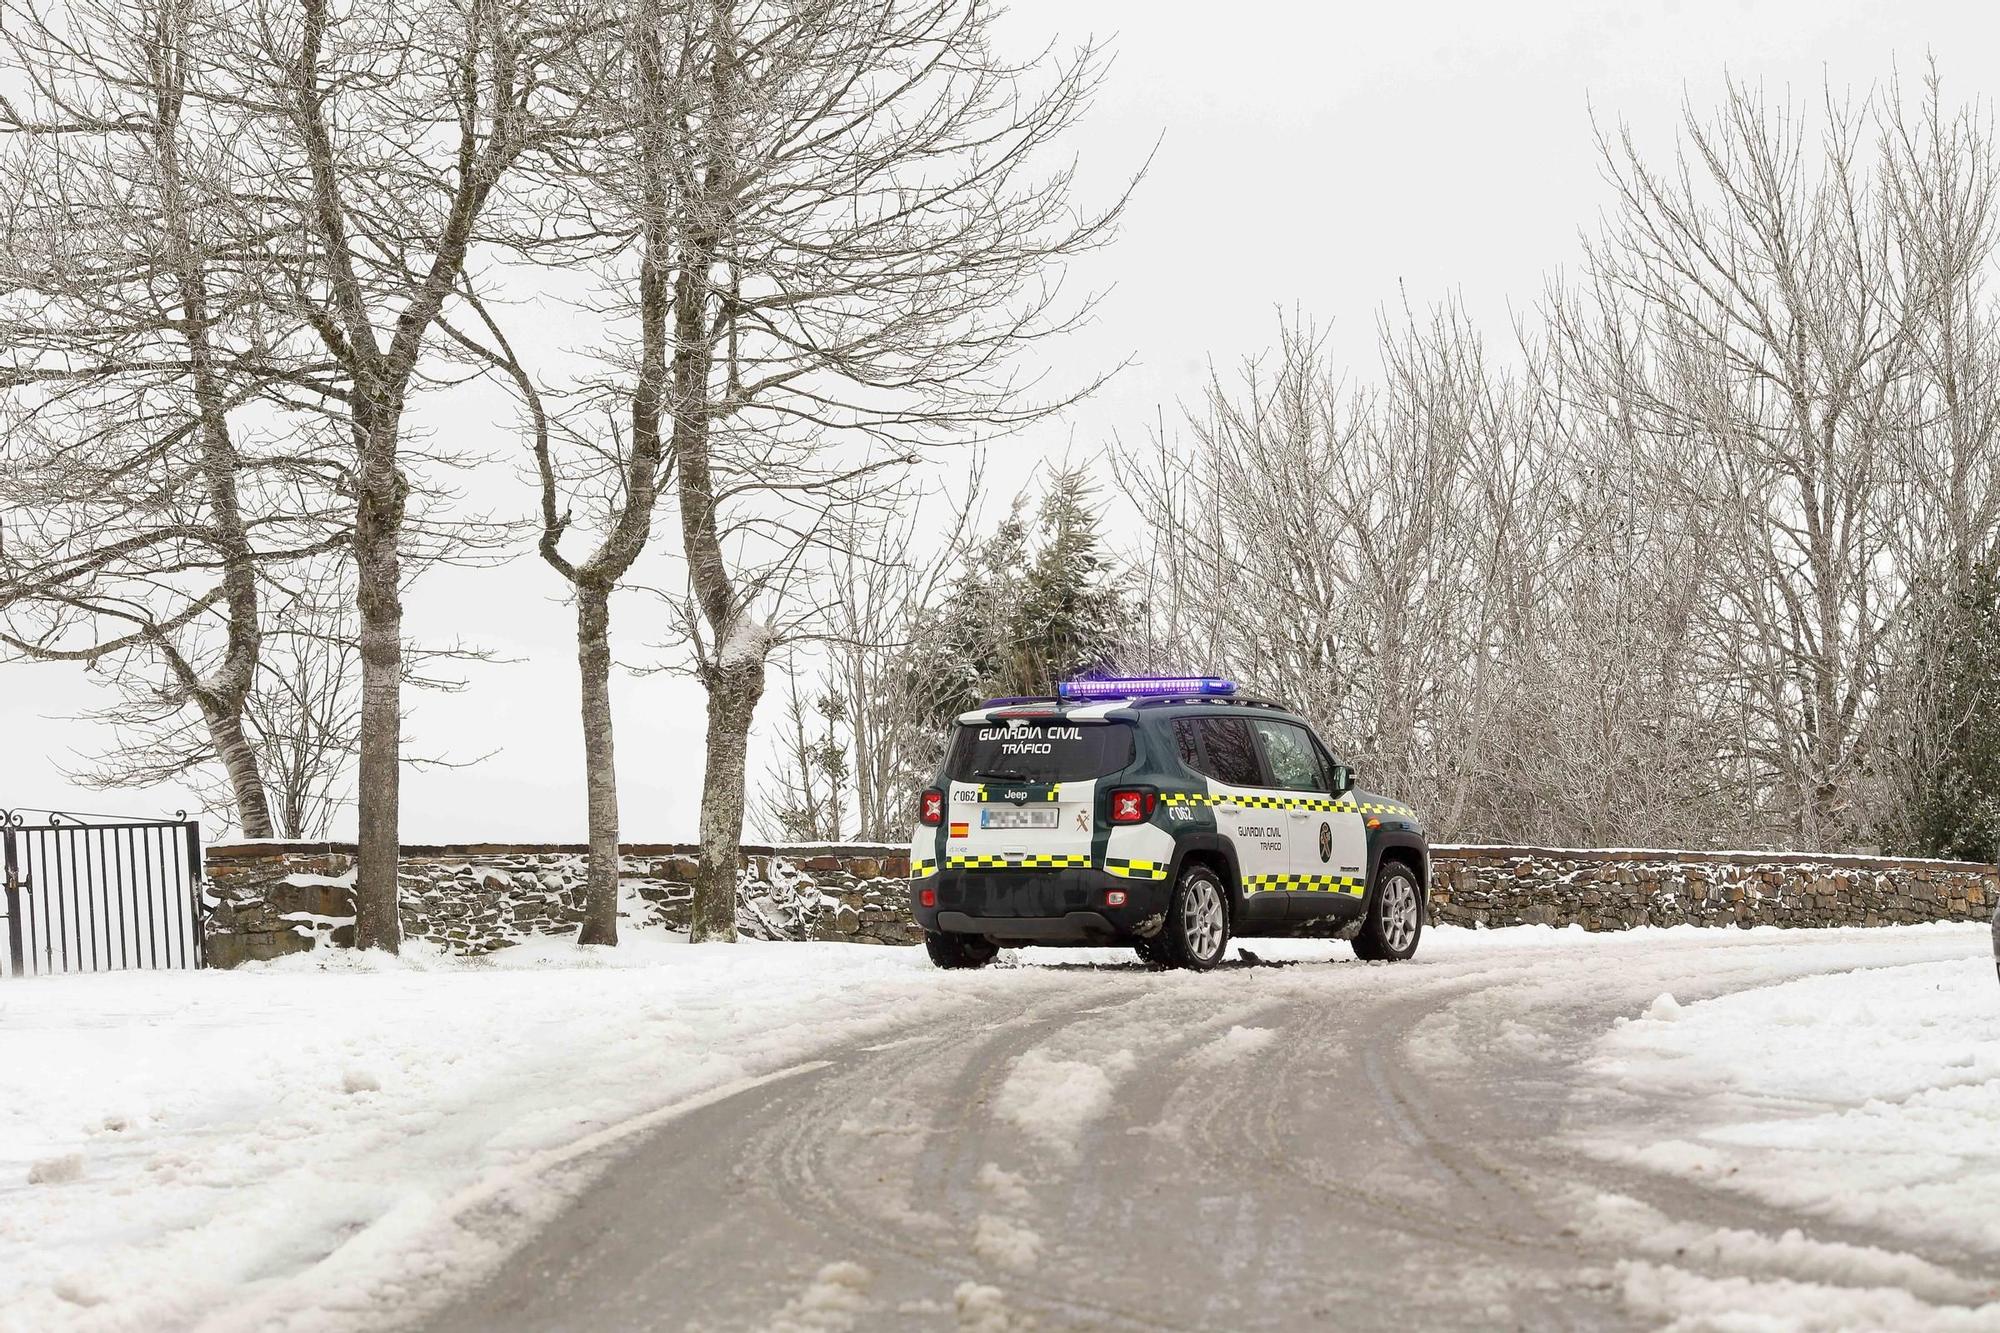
(1685, 1302)
(1869, 1098)
(282, 1145)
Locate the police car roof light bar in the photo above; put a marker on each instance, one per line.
(1139, 687)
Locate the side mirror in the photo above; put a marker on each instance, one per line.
(1343, 779)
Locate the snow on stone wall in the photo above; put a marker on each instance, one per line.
(271, 898)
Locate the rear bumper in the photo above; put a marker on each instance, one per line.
(1041, 906)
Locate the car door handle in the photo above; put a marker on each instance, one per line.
(1301, 814)
(1229, 807)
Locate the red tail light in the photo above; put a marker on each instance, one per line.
(1132, 806)
(928, 897)
(930, 808)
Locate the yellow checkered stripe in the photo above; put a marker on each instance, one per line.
(1125, 869)
(1377, 808)
(1349, 884)
(1253, 801)
(1054, 792)
(1039, 861)
(922, 869)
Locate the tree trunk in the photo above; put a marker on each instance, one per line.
(222, 696)
(239, 761)
(600, 772)
(377, 530)
(734, 688)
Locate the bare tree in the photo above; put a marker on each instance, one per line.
(150, 478)
(804, 796)
(852, 235)
(299, 718)
(384, 139)
(885, 590)
(881, 592)
(1750, 313)
(1322, 542)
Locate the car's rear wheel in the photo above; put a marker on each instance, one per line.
(1197, 929)
(1152, 951)
(1395, 920)
(959, 950)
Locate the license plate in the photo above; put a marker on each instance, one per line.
(1017, 818)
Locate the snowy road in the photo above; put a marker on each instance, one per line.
(1318, 1144)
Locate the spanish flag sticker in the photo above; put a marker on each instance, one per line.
(960, 830)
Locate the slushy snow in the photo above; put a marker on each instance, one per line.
(1053, 1100)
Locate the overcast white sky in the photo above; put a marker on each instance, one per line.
(1312, 156)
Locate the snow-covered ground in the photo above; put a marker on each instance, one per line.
(181, 1147)
(1867, 1099)
(311, 1143)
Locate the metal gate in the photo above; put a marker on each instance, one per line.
(85, 893)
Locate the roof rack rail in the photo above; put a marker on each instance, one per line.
(1136, 701)
(1244, 700)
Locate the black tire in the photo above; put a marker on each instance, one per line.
(1152, 951)
(1196, 934)
(1395, 920)
(959, 950)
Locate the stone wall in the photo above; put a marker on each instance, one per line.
(271, 898)
(1617, 890)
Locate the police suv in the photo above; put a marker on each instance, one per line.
(1167, 814)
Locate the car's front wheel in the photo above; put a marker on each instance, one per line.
(1197, 929)
(1395, 920)
(959, 950)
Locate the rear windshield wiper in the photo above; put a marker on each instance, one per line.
(1001, 774)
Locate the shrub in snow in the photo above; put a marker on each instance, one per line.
(784, 903)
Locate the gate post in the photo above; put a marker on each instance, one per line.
(196, 880)
(13, 882)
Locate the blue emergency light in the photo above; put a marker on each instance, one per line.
(1139, 687)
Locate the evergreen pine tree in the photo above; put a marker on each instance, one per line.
(1033, 604)
(1069, 614)
(1956, 810)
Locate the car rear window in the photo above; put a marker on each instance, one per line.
(1039, 750)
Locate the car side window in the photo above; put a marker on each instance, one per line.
(1187, 740)
(1229, 752)
(1293, 759)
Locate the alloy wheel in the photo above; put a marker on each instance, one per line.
(1399, 913)
(1203, 918)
